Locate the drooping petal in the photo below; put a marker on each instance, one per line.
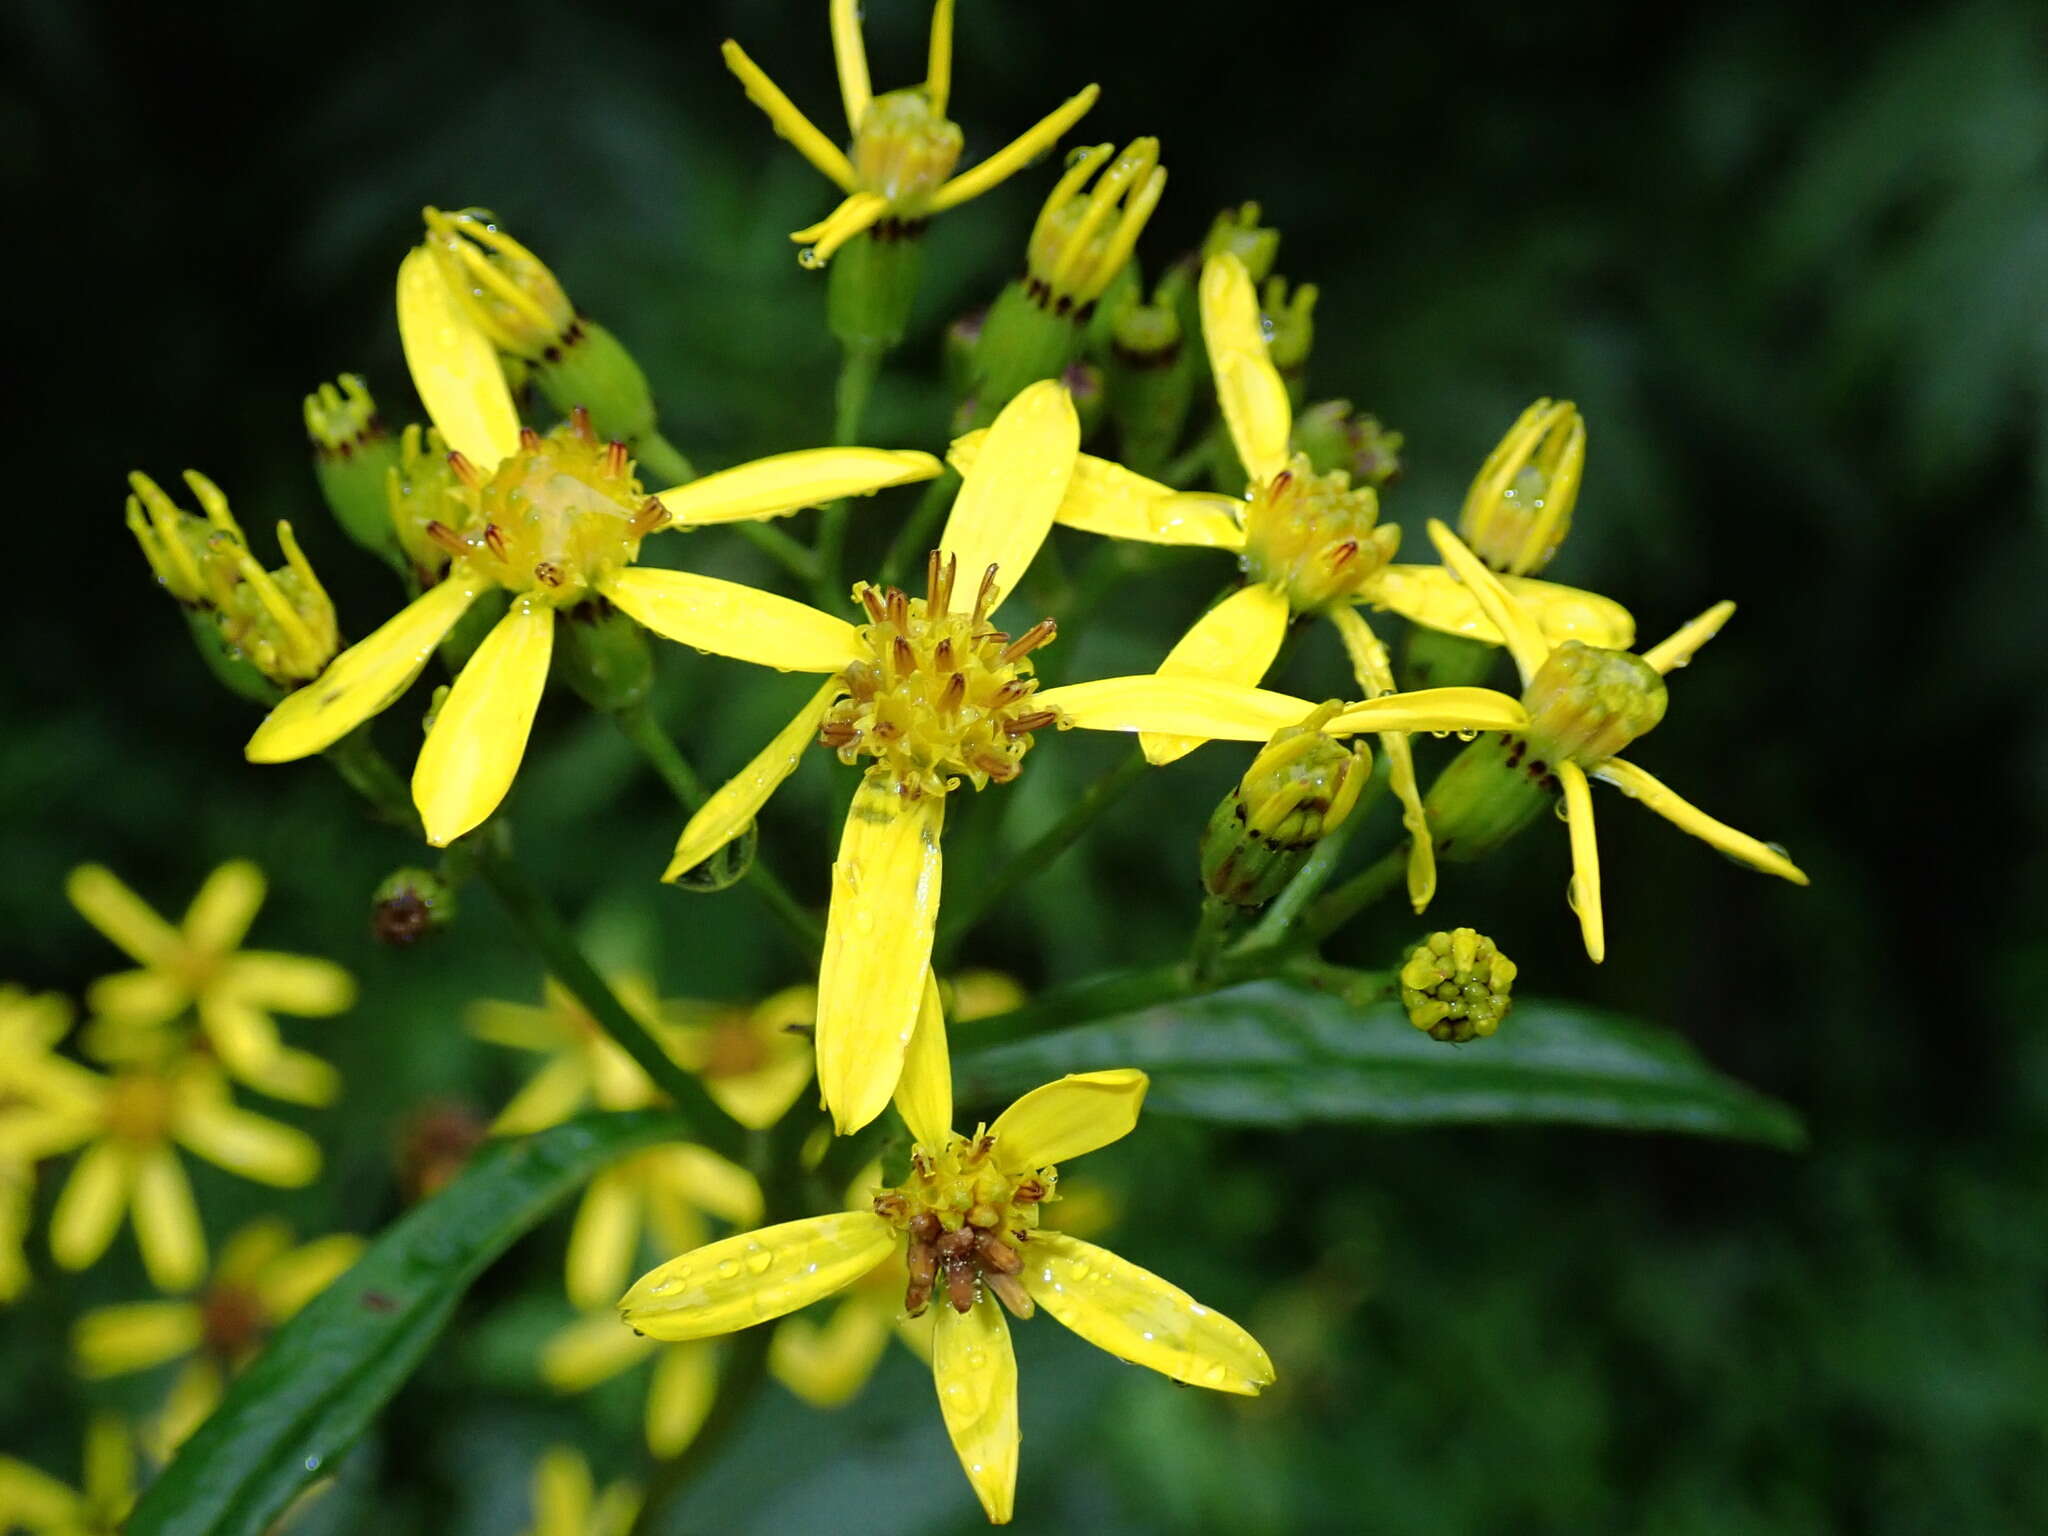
(733, 807)
(549, 1097)
(1519, 630)
(1375, 675)
(878, 946)
(226, 905)
(822, 240)
(1234, 642)
(471, 755)
(1175, 706)
(366, 677)
(248, 1144)
(166, 1219)
(104, 900)
(88, 1213)
(1007, 505)
(1673, 652)
(924, 1094)
(826, 1364)
(1585, 886)
(603, 1239)
(1687, 817)
(680, 1396)
(1434, 709)
(590, 1350)
(786, 482)
(975, 1369)
(1014, 156)
(295, 984)
(1060, 1121)
(1431, 596)
(791, 124)
(113, 1341)
(1103, 497)
(710, 1182)
(1136, 1316)
(756, 1276)
(454, 367)
(851, 55)
(1249, 389)
(729, 618)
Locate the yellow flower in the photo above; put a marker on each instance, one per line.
(1585, 703)
(1519, 506)
(934, 693)
(259, 1282)
(900, 168)
(199, 967)
(668, 1188)
(566, 1501)
(133, 1123)
(556, 521)
(38, 1096)
(680, 1389)
(1308, 543)
(34, 1502)
(966, 1226)
(754, 1060)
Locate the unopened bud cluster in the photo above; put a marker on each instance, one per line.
(352, 456)
(1457, 986)
(967, 1222)
(1336, 437)
(1298, 790)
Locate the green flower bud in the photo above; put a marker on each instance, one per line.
(1238, 229)
(1021, 342)
(1519, 507)
(1152, 374)
(589, 367)
(872, 284)
(957, 348)
(1293, 330)
(416, 495)
(605, 656)
(1457, 986)
(1586, 703)
(1298, 790)
(410, 905)
(1336, 437)
(1485, 795)
(1084, 384)
(352, 457)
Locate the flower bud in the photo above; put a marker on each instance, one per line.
(1519, 507)
(1291, 327)
(1485, 795)
(605, 656)
(1238, 230)
(417, 495)
(409, 905)
(1336, 437)
(1082, 241)
(1457, 986)
(1298, 790)
(1586, 703)
(1152, 373)
(872, 285)
(505, 290)
(352, 456)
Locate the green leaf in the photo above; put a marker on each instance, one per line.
(1271, 1054)
(326, 1373)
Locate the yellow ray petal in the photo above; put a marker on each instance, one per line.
(791, 124)
(454, 367)
(1434, 709)
(1585, 886)
(109, 1480)
(924, 1094)
(590, 1350)
(243, 1037)
(1103, 497)
(1136, 1316)
(38, 1501)
(1518, 627)
(1014, 156)
(1249, 389)
(562, 1493)
(1673, 652)
(1430, 595)
(785, 482)
(756, 1276)
(1687, 817)
(731, 619)
(1375, 675)
(1175, 706)
(735, 804)
(88, 1213)
(603, 1239)
(1234, 642)
(471, 755)
(105, 901)
(292, 1279)
(938, 73)
(166, 1219)
(248, 1144)
(822, 240)
(827, 1364)
(851, 55)
(516, 1025)
(366, 677)
(253, 1248)
(112, 1341)
(975, 1369)
(1007, 505)
(297, 984)
(1063, 1120)
(878, 946)
(680, 1396)
(549, 1097)
(226, 905)
(709, 1182)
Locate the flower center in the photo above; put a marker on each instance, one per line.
(940, 693)
(139, 1108)
(1586, 703)
(556, 517)
(1316, 536)
(965, 1220)
(233, 1322)
(903, 149)
(734, 1047)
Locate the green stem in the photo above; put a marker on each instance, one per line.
(369, 773)
(781, 548)
(972, 905)
(661, 461)
(915, 537)
(1356, 894)
(1210, 932)
(858, 365)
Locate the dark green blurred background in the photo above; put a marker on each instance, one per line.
(1796, 276)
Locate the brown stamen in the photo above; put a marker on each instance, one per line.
(1032, 638)
(579, 423)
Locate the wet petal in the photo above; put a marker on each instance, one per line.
(1673, 652)
(1687, 817)
(112, 1341)
(679, 1397)
(791, 124)
(472, 753)
(1375, 675)
(1248, 388)
(878, 946)
(89, 1211)
(756, 1276)
(731, 619)
(1519, 630)
(105, 901)
(1103, 497)
(166, 1220)
(1015, 155)
(851, 55)
(1434, 709)
(1175, 706)
(827, 1364)
(603, 1239)
(226, 905)
(976, 1372)
(1007, 505)
(1063, 1120)
(454, 366)
(821, 241)
(247, 1144)
(785, 482)
(366, 677)
(1431, 596)
(924, 1094)
(1585, 886)
(733, 807)
(295, 984)
(1136, 1316)
(1234, 642)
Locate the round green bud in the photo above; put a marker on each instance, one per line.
(1586, 703)
(352, 458)
(588, 366)
(1336, 437)
(409, 905)
(1456, 986)
(1238, 229)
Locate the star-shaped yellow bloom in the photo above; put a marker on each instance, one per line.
(966, 1227)
(900, 167)
(199, 968)
(36, 1503)
(1585, 703)
(554, 520)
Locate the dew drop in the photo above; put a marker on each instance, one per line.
(728, 1269)
(759, 1260)
(1571, 893)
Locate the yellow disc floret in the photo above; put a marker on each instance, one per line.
(1586, 703)
(905, 147)
(1457, 985)
(941, 694)
(1316, 536)
(966, 1222)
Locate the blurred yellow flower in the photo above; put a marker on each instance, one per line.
(38, 1504)
(259, 1282)
(200, 968)
(680, 1389)
(566, 1501)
